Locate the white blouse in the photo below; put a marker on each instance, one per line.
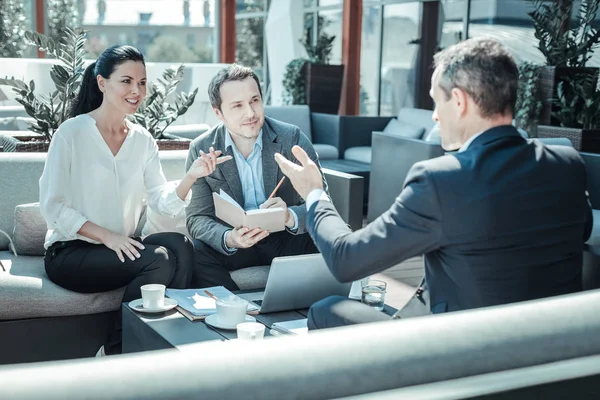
(82, 181)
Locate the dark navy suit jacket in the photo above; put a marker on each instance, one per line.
(503, 221)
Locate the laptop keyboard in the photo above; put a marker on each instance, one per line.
(257, 302)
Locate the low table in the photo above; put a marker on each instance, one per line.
(144, 332)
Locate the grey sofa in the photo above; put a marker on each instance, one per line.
(513, 346)
(320, 128)
(42, 321)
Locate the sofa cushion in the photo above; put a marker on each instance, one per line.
(593, 242)
(251, 277)
(8, 124)
(417, 117)
(395, 127)
(191, 131)
(15, 123)
(326, 151)
(555, 141)
(30, 230)
(27, 292)
(359, 153)
(433, 136)
(298, 115)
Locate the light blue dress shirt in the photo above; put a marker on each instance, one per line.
(251, 177)
(251, 173)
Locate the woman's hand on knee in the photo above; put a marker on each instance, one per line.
(123, 246)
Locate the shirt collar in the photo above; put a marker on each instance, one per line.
(466, 145)
(229, 141)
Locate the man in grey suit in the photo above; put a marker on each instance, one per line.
(252, 140)
(501, 220)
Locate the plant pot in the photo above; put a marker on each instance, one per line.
(173, 144)
(24, 141)
(550, 77)
(586, 140)
(323, 87)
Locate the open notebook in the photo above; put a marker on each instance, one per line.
(194, 304)
(229, 211)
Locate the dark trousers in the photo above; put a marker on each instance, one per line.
(212, 268)
(335, 311)
(91, 268)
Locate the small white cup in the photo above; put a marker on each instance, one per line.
(231, 311)
(250, 331)
(153, 296)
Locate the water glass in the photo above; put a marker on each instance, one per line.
(373, 293)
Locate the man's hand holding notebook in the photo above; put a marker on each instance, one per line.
(229, 211)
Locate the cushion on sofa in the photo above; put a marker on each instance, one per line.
(298, 115)
(191, 131)
(15, 123)
(8, 124)
(27, 292)
(326, 151)
(359, 153)
(593, 242)
(417, 117)
(30, 230)
(433, 136)
(395, 127)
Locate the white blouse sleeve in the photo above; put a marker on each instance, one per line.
(162, 196)
(55, 190)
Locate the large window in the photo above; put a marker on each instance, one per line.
(325, 16)
(165, 31)
(250, 47)
(389, 56)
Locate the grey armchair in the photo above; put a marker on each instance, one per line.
(393, 157)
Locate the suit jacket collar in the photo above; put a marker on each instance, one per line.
(228, 169)
(270, 146)
(494, 134)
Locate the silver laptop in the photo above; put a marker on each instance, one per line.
(297, 282)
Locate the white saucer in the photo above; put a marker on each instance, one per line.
(137, 305)
(213, 321)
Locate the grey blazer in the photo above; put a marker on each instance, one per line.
(278, 137)
(502, 222)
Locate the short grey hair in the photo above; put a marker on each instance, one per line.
(484, 69)
(234, 72)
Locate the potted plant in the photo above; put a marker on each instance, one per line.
(529, 103)
(566, 50)
(314, 81)
(49, 111)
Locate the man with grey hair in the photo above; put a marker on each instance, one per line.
(252, 139)
(501, 220)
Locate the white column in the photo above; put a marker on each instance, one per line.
(283, 30)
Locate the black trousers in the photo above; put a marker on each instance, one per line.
(212, 268)
(91, 268)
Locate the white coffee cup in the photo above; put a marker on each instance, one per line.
(231, 311)
(250, 331)
(153, 296)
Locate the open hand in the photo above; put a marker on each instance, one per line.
(305, 177)
(123, 245)
(244, 237)
(206, 163)
(277, 202)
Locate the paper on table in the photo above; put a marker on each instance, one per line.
(199, 303)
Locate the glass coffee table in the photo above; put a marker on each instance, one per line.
(170, 329)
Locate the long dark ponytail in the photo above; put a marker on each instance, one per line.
(89, 96)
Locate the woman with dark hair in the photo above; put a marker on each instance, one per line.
(99, 171)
